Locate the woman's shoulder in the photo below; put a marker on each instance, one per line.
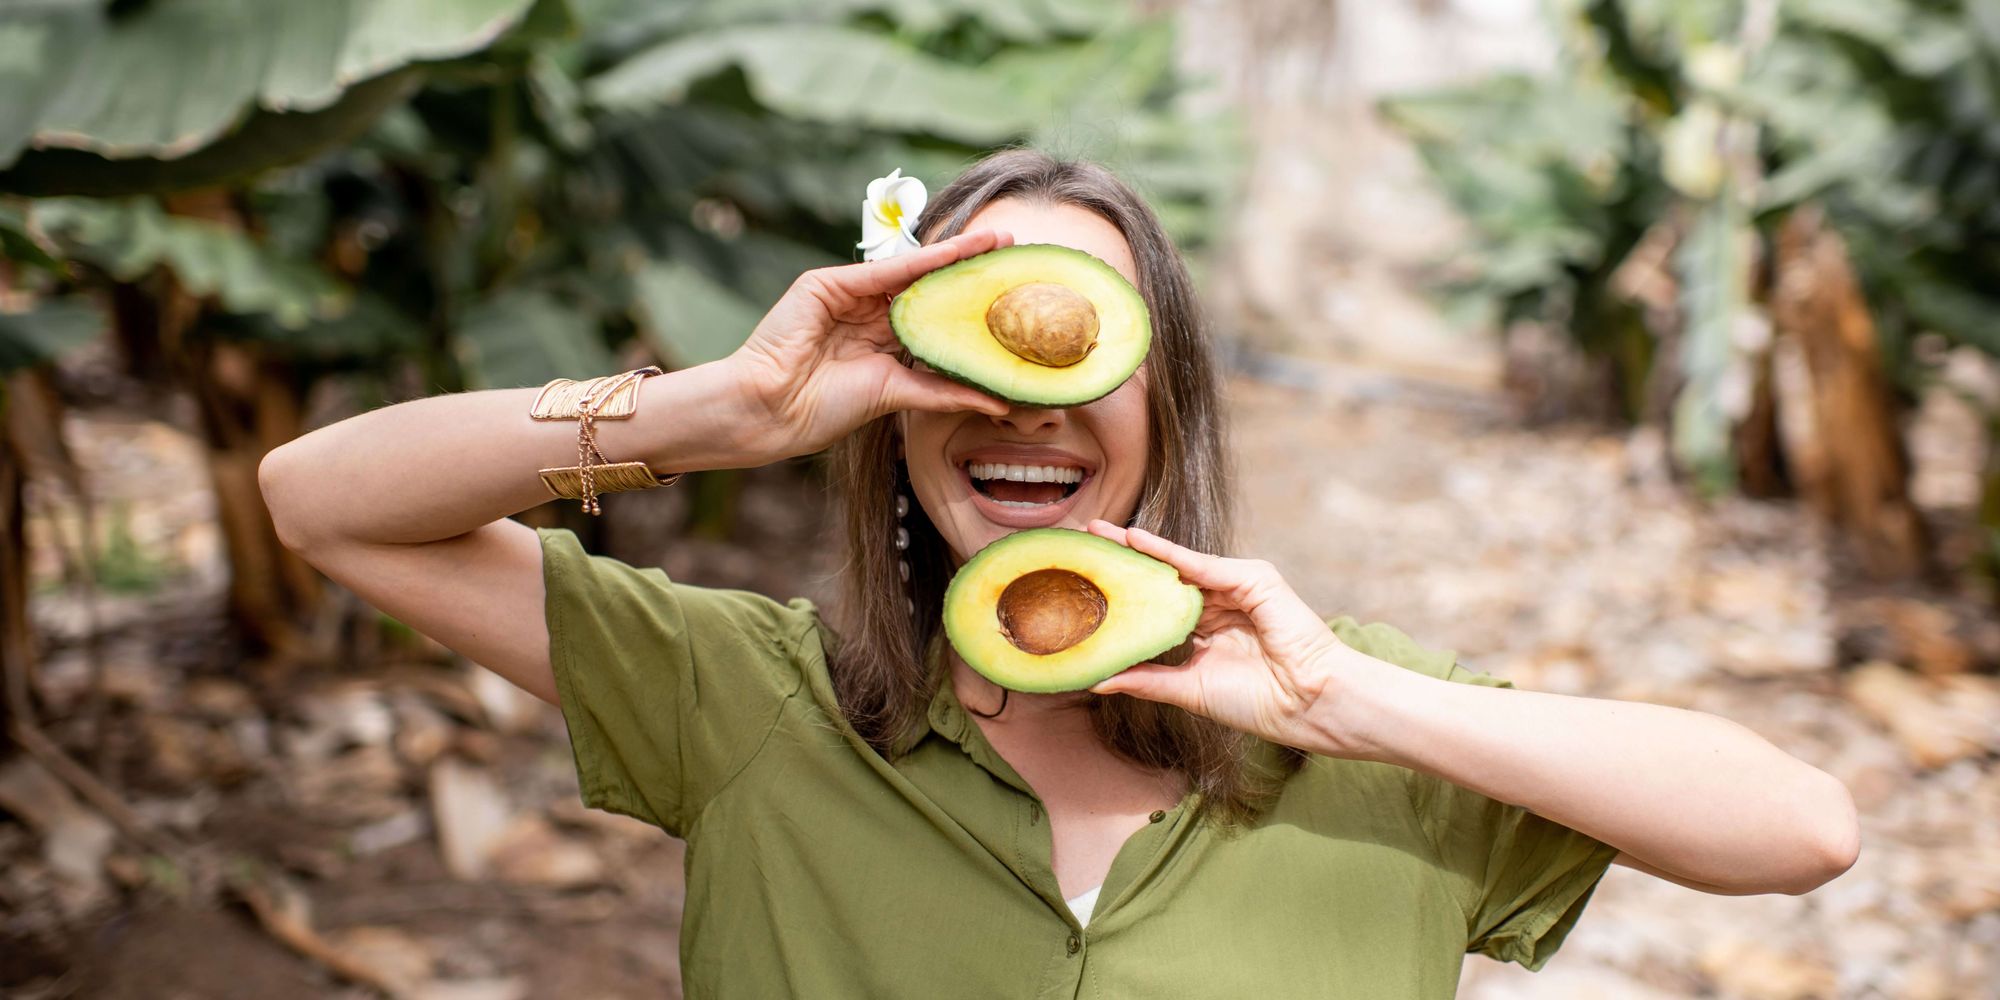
(647, 593)
(608, 618)
(1388, 643)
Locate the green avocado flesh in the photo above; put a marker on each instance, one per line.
(1078, 304)
(1052, 609)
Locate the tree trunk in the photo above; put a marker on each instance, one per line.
(249, 404)
(16, 652)
(1859, 480)
(246, 403)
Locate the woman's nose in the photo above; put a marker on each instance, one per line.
(1029, 420)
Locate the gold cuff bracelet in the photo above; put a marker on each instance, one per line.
(609, 397)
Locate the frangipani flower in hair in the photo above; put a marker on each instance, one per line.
(888, 213)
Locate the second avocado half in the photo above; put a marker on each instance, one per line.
(1034, 324)
(1051, 609)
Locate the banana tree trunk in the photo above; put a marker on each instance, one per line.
(249, 405)
(16, 653)
(246, 403)
(1857, 475)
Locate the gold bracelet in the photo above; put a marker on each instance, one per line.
(612, 397)
(614, 477)
(564, 399)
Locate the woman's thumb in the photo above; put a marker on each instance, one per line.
(914, 390)
(1151, 681)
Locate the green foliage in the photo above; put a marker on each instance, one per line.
(690, 319)
(161, 78)
(523, 337)
(128, 239)
(671, 169)
(1693, 121)
(827, 74)
(123, 565)
(46, 332)
(501, 191)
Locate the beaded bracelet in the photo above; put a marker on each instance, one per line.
(608, 397)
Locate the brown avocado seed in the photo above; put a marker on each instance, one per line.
(1043, 322)
(1050, 610)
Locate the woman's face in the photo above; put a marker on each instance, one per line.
(975, 475)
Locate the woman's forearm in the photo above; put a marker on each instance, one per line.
(435, 468)
(1689, 794)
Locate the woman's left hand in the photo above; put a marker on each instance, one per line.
(1262, 659)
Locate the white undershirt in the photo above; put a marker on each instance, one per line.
(1083, 905)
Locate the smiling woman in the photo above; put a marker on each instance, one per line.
(1287, 807)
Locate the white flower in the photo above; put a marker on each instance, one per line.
(891, 208)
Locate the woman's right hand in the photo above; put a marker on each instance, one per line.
(823, 361)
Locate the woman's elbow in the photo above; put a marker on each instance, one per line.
(1832, 832)
(278, 476)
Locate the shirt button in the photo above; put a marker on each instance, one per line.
(1158, 815)
(1075, 944)
(1035, 813)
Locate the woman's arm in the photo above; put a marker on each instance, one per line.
(435, 468)
(1689, 797)
(407, 505)
(1683, 795)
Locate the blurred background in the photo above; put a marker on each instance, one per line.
(1630, 348)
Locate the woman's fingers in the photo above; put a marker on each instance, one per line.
(1105, 529)
(1177, 686)
(914, 390)
(1251, 586)
(1208, 572)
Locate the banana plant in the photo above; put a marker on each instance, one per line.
(454, 194)
(1637, 194)
(132, 98)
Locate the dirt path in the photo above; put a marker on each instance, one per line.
(1563, 561)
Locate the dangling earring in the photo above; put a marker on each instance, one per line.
(903, 569)
(903, 548)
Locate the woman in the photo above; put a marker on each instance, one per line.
(1300, 809)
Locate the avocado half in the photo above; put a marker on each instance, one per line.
(1051, 609)
(1034, 324)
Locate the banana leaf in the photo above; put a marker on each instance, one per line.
(17, 243)
(166, 77)
(823, 73)
(47, 332)
(130, 238)
(689, 318)
(525, 337)
(1713, 265)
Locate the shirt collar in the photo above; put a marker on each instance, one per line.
(947, 717)
(944, 716)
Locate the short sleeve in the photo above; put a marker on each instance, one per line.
(1522, 880)
(668, 689)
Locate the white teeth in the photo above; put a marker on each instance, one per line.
(1026, 473)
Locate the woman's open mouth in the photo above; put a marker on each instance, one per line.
(1024, 487)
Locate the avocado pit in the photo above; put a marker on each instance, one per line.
(1044, 322)
(1050, 610)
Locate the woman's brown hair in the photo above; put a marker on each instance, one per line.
(880, 673)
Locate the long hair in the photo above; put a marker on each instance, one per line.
(880, 672)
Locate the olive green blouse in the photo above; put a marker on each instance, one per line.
(816, 868)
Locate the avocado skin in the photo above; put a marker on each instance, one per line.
(1003, 397)
(973, 635)
(1062, 392)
